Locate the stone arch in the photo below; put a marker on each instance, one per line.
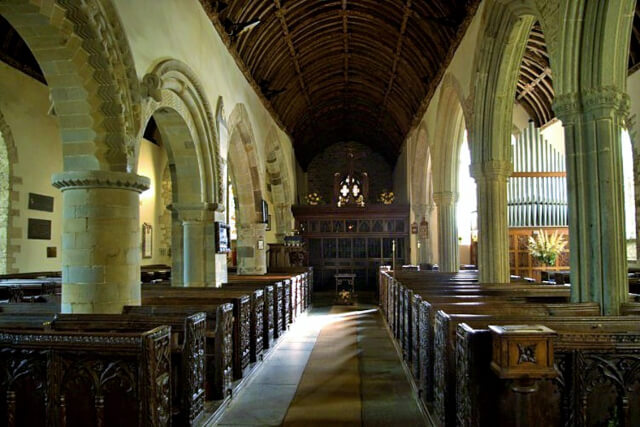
(419, 174)
(445, 170)
(8, 157)
(246, 181)
(593, 105)
(279, 184)
(449, 136)
(186, 124)
(497, 63)
(83, 53)
(422, 189)
(178, 103)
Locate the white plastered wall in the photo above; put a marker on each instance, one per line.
(24, 102)
(163, 29)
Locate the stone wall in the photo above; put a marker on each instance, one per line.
(334, 159)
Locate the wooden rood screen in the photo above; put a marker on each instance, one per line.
(353, 240)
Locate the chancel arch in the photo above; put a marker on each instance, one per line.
(247, 187)
(185, 122)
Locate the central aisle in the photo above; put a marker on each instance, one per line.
(337, 366)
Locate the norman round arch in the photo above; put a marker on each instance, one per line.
(89, 69)
(247, 185)
(279, 184)
(8, 157)
(185, 121)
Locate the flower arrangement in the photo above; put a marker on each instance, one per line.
(546, 248)
(345, 296)
(313, 198)
(386, 197)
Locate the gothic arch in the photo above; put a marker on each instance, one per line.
(506, 29)
(279, 184)
(450, 116)
(450, 135)
(8, 156)
(420, 168)
(89, 69)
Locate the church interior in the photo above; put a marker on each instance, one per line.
(319, 212)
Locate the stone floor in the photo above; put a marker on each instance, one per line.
(337, 366)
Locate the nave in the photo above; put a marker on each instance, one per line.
(336, 366)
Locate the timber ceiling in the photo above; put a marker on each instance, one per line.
(344, 70)
(634, 54)
(535, 82)
(534, 90)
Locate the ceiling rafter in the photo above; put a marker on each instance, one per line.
(349, 74)
(280, 14)
(396, 57)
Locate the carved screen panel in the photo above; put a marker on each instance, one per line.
(359, 248)
(373, 248)
(344, 248)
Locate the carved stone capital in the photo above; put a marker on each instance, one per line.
(566, 105)
(491, 170)
(422, 210)
(444, 198)
(194, 212)
(74, 180)
(606, 99)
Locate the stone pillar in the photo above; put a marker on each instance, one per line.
(251, 258)
(636, 185)
(423, 212)
(593, 128)
(177, 249)
(493, 228)
(197, 264)
(447, 230)
(284, 220)
(193, 253)
(100, 240)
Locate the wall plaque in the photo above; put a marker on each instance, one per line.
(39, 229)
(223, 238)
(40, 202)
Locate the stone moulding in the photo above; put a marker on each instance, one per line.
(100, 179)
(173, 76)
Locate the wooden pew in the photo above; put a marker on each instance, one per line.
(306, 272)
(83, 378)
(597, 383)
(35, 307)
(293, 290)
(243, 340)
(219, 341)
(187, 351)
(285, 302)
(270, 323)
(16, 290)
(255, 314)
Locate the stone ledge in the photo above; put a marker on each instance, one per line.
(100, 179)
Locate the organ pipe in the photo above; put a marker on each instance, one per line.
(537, 190)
